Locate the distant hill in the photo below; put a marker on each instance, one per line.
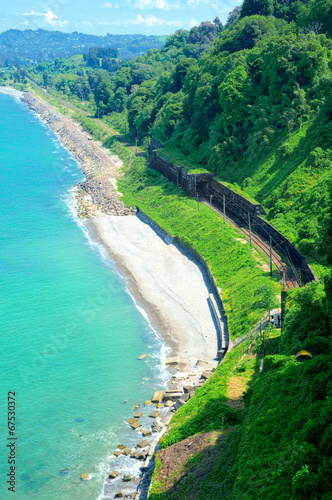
(35, 46)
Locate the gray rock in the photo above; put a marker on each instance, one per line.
(113, 474)
(155, 414)
(157, 426)
(126, 451)
(143, 444)
(206, 374)
(189, 389)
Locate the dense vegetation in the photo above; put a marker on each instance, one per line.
(280, 446)
(251, 102)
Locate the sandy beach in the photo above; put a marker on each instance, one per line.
(12, 92)
(167, 284)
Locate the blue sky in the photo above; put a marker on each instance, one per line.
(112, 16)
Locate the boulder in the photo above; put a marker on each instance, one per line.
(172, 361)
(147, 403)
(126, 451)
(127, 477)
(157, 397)
(206, 374)
(121, 446)
(113, 474)
(142, 356)
(180, 376)
(172, 395)
(141, 455)
(190, 390)
(143, 444)
(146, 432)
(169, 403)
(155, 414)
(179, 403)
(117, 453)
(139, 414)
(136, 425)
(84, 476)
(132, 420)
(119, 494)
(157, 426)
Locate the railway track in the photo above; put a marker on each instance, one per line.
(291, 280)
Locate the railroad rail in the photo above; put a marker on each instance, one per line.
(285, 270)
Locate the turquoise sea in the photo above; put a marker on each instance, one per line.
(70, 333)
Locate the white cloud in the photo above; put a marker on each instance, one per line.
(149, 21)
(193, 23)
(153, 21)
(49, 17)
(151, 4)
(206, 2)
(111, 5)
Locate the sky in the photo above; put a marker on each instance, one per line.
(99, 17)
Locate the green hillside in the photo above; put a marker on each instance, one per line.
(252, 103)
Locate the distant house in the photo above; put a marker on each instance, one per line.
(275, 317)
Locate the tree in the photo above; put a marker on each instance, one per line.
(266, 297)
(180, 74)
(232, 95)
(218, 24)
(233, 15)
(260, 7)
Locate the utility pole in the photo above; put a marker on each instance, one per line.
(197, 199)
(195, 188)
(249, 229)
(264, 343)
(224, 209)
(270, 255)
(283, 305)
(210, 200)
(136, 144)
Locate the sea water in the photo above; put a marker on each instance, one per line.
(70, 333)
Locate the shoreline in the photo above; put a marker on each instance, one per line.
(184, 322)
(193, 339)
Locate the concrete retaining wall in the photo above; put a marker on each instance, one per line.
(223, 338)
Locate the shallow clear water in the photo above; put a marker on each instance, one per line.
(70, 333)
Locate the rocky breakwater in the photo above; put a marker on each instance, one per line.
(98, 193)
